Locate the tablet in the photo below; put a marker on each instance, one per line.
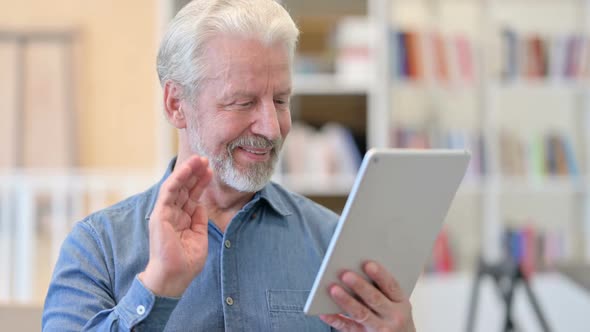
(393, 214)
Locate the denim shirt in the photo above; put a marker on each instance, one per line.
(256, 278)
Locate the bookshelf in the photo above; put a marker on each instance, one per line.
(336, 84)
(513, 91)
(468, 88)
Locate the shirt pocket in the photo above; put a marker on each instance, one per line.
(286, 311)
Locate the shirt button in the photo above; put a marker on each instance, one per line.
(253, 216)
(140, 310)
(227, 244)
(229, 300)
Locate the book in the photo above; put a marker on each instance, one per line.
(465, 61)
(414, 55)
(536, 58)
(400, 69)
(570, 157)
(443, 261)
(573, 47)
(536, 164)
(353, 44)
(510, 54)
(440, 58)
(529, 250)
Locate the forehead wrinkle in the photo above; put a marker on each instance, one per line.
(247, 85)
(218, 75)
(238, 70)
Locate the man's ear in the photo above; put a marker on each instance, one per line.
(173, 94)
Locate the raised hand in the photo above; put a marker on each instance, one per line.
(178, 230)
(382, 305)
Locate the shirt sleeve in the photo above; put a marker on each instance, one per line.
(80, 295)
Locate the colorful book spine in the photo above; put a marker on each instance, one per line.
(510, 47)
(414, 55)
(443, 261)
(440, 59)
(550, 154)
(465, 59)
(534, 249)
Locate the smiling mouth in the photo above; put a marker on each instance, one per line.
(259, 152)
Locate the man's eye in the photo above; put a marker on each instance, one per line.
(245, 104)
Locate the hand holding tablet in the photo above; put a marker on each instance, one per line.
(395, 210)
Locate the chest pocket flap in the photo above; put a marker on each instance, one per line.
(286, 300)
(286, 311)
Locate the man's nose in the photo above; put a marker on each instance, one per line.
(267, 121)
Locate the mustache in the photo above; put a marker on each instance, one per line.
(255, 142)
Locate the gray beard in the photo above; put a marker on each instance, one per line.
(251, 179)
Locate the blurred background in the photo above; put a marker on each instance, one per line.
(81, 127)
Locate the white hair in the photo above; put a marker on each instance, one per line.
(180, 58)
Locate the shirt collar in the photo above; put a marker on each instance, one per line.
(269, 193)
(274, 198)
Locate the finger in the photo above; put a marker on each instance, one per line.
(368, 293)
(199, 221)
(341, 323)
(356, 310)
(385, 281)
(178, 179)
(181, 197)
(197, 191)
(204, 176)
(199, 179)
(197, 168)
(192, 180)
